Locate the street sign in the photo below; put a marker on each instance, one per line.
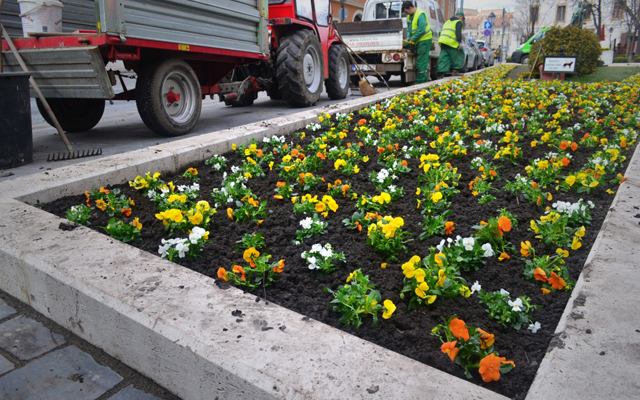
(487, 25)
(343, 14)
(487, 32)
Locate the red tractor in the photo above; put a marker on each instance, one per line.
(304, 52)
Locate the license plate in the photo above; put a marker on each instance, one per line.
(364, 67)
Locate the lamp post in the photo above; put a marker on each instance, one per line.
(492, 19)
(502, 55)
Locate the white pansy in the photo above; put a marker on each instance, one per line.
(475, 287)
(516, 305)
(468, 243)
(306, 223)
(326, 251)
(504, 292)
(316, 248)
(488, 250)
(535, 327)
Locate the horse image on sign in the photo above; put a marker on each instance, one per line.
(565, 65)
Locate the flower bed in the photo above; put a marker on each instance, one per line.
(522, 172)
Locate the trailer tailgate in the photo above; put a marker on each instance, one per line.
(64, 72)
(364, 36)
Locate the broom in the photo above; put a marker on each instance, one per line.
(363, 84)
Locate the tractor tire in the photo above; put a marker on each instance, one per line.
(73, 115)
(337, 84)
(169, 98)
(299, 68)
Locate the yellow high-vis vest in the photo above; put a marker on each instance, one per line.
(448, 34)
(414, 25)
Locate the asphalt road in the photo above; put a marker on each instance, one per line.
(121, 129)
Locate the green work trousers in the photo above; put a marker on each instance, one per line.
(422, 60)
(448, 57)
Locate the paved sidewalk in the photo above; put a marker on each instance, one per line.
(39, 359)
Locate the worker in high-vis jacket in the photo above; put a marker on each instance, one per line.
(419, 35)
(451, 53)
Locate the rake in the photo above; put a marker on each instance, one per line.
(73, 155)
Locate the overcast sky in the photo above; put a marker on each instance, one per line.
(488, 4)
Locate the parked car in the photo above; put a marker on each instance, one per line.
(473, 57)
(521, 55)
(488, 54)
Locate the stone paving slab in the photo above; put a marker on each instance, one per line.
(6, 310)
(131, 393)
(27, 339)
(5, 365)
(68, 373)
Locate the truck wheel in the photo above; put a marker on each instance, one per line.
(338, 82)
(74, 115)
(433, 68)
(299, 68)
(169, 98)
(525, 60)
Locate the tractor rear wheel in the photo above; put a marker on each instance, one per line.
(338, 82)
(299, 68)
(169, 98)
(73, 115)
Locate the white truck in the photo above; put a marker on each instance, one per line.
(377, 39)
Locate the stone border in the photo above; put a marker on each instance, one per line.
(174, 325)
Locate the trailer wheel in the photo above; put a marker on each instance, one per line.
(169, 98)
(338, 82)
(525, 60)
(299, 68)
(74, 115)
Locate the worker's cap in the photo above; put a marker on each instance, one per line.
(460, 13)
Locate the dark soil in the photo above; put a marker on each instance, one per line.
(407, 333)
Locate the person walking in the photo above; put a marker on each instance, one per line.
(419, 35)
(450, 49)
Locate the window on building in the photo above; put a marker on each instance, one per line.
(561, 12)
(533, 11)
(617, 11)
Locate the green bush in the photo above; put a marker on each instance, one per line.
(576, 42)
(623, 59)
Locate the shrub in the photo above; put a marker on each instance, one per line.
(576, 42)
(623, 59)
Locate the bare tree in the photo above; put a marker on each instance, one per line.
(631, 9)
(527, 16)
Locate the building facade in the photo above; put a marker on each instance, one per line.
(609, 24)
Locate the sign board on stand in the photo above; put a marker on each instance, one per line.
(565, 65)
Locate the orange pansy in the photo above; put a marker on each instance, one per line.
(459, 329)
(450, 349)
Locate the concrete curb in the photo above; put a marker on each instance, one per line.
(175, 326)
(596, 351)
